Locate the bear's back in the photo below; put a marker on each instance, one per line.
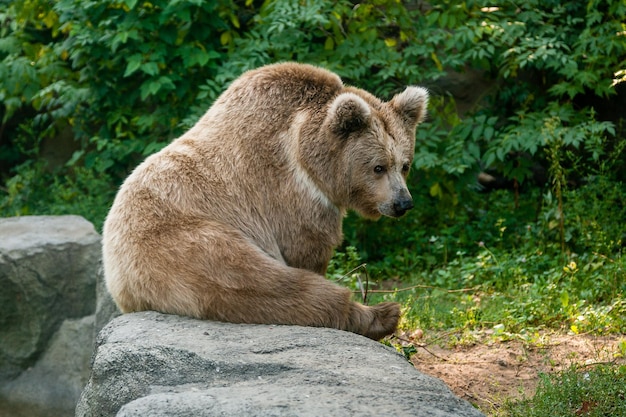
(284, 88)
(262, 102)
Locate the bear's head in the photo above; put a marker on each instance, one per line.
(376, 144)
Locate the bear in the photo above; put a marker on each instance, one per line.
(237, 219)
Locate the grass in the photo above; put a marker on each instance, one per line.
(510, 295)
(598, 391)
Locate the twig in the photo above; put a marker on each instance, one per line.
(604, 257)
(589, 365)
(367, 285)
(421, 345)
(423, 286)
(402, 339)
(352, 270)
(440, 336)
(435, 355)
(363, 290)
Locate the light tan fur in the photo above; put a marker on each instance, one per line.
(237, 219)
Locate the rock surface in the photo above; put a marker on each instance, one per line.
(48, 271)
(106, 309)
(163, 365)
(53, 384)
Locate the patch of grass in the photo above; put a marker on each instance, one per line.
(597, 391)
(515, 294)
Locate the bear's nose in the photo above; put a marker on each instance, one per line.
(403, 205)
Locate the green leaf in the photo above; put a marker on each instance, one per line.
(75, 157)
(329, 44)
(119, 38)
(435, 190)
(489, 158)
(432, 17)
(150, 68)
(564, 297)
(195, 56)
(134, 62)
(153, 147)
(152, 87)
(477, 132)
(130, 4)
(488, 133)
(474, 150)
(149, 88)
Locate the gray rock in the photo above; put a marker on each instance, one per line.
(163, 365)
(106, 309)
(48, 268)
(57, 379)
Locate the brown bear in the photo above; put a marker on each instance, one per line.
(237, 219)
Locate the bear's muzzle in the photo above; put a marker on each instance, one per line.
(402, 205)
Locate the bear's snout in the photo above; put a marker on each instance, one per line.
(402, 205)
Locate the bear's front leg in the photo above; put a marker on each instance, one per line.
(295, 296)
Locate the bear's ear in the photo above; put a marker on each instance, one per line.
(411, 105)
(349, 113)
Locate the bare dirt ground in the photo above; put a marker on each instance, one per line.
(489, 372)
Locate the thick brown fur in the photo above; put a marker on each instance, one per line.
(237, 219)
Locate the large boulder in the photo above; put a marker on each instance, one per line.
(150, 364)
(52, 386)
(48, 271)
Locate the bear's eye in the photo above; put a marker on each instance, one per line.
(405, 167)
(379, 169)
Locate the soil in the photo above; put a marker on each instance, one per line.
(491, 371)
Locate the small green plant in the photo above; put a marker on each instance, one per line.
(346, 268)
(595, 391)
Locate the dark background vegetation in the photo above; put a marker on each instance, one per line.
(519, 171)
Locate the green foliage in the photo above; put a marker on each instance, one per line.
(121, 75)
(594, 392)
(517, 295)
(35, 190)
(346, 269)
(514, 274)
(143, 61)
(549, 59)
(356, 41)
